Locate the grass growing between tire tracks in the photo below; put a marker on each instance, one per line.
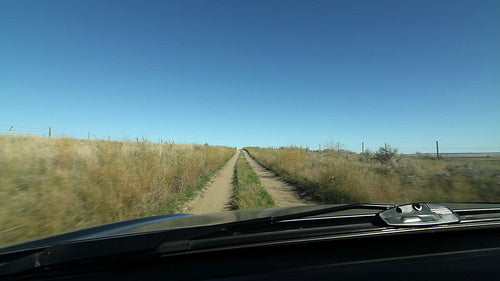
(248, 192)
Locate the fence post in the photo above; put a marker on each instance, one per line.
(437, 150)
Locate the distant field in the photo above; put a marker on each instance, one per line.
(460, 155)
(340, 177)
(54, 185)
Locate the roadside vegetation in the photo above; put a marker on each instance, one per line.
(53, 185)
(333, 176)
(248, 192)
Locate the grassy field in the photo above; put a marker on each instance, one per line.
(340, 177)
(54, 185)
(248, 192)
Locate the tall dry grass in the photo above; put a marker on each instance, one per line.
(54, 185)
(341, 177)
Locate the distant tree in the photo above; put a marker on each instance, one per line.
(385, 154)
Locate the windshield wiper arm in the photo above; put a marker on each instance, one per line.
(233, 227)
(358, 206)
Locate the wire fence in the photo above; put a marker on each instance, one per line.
(422, 150)
(52, 132)
(442, 149)
(43, 132)
(55, 132)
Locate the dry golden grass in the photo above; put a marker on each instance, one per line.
(54, 185)
(342, 177)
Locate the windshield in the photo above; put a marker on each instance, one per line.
(117, 110)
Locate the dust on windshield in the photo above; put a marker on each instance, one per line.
(114, 110)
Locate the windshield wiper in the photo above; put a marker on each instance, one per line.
(233, 227)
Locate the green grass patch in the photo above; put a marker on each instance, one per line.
(249, 193)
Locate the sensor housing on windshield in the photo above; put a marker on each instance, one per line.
(418, 214)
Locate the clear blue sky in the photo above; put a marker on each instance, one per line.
(256, 73)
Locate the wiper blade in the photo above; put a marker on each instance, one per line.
(335, 209)
(253, 223)
(477, 211)
(263, 224)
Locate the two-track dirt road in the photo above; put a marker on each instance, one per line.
(218, 193)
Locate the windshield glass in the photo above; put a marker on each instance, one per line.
(116, 110)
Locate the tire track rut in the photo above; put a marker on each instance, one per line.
(217, 194)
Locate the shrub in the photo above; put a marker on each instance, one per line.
(385, 154)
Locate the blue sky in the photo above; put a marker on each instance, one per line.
(256, 73)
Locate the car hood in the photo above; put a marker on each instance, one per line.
(158, 223)
(176, 221)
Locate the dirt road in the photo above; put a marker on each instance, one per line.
(217, 195)
(283, 194)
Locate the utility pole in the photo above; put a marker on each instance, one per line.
(363, 147)
(88, 136)
(437, 150)
(50, 132)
